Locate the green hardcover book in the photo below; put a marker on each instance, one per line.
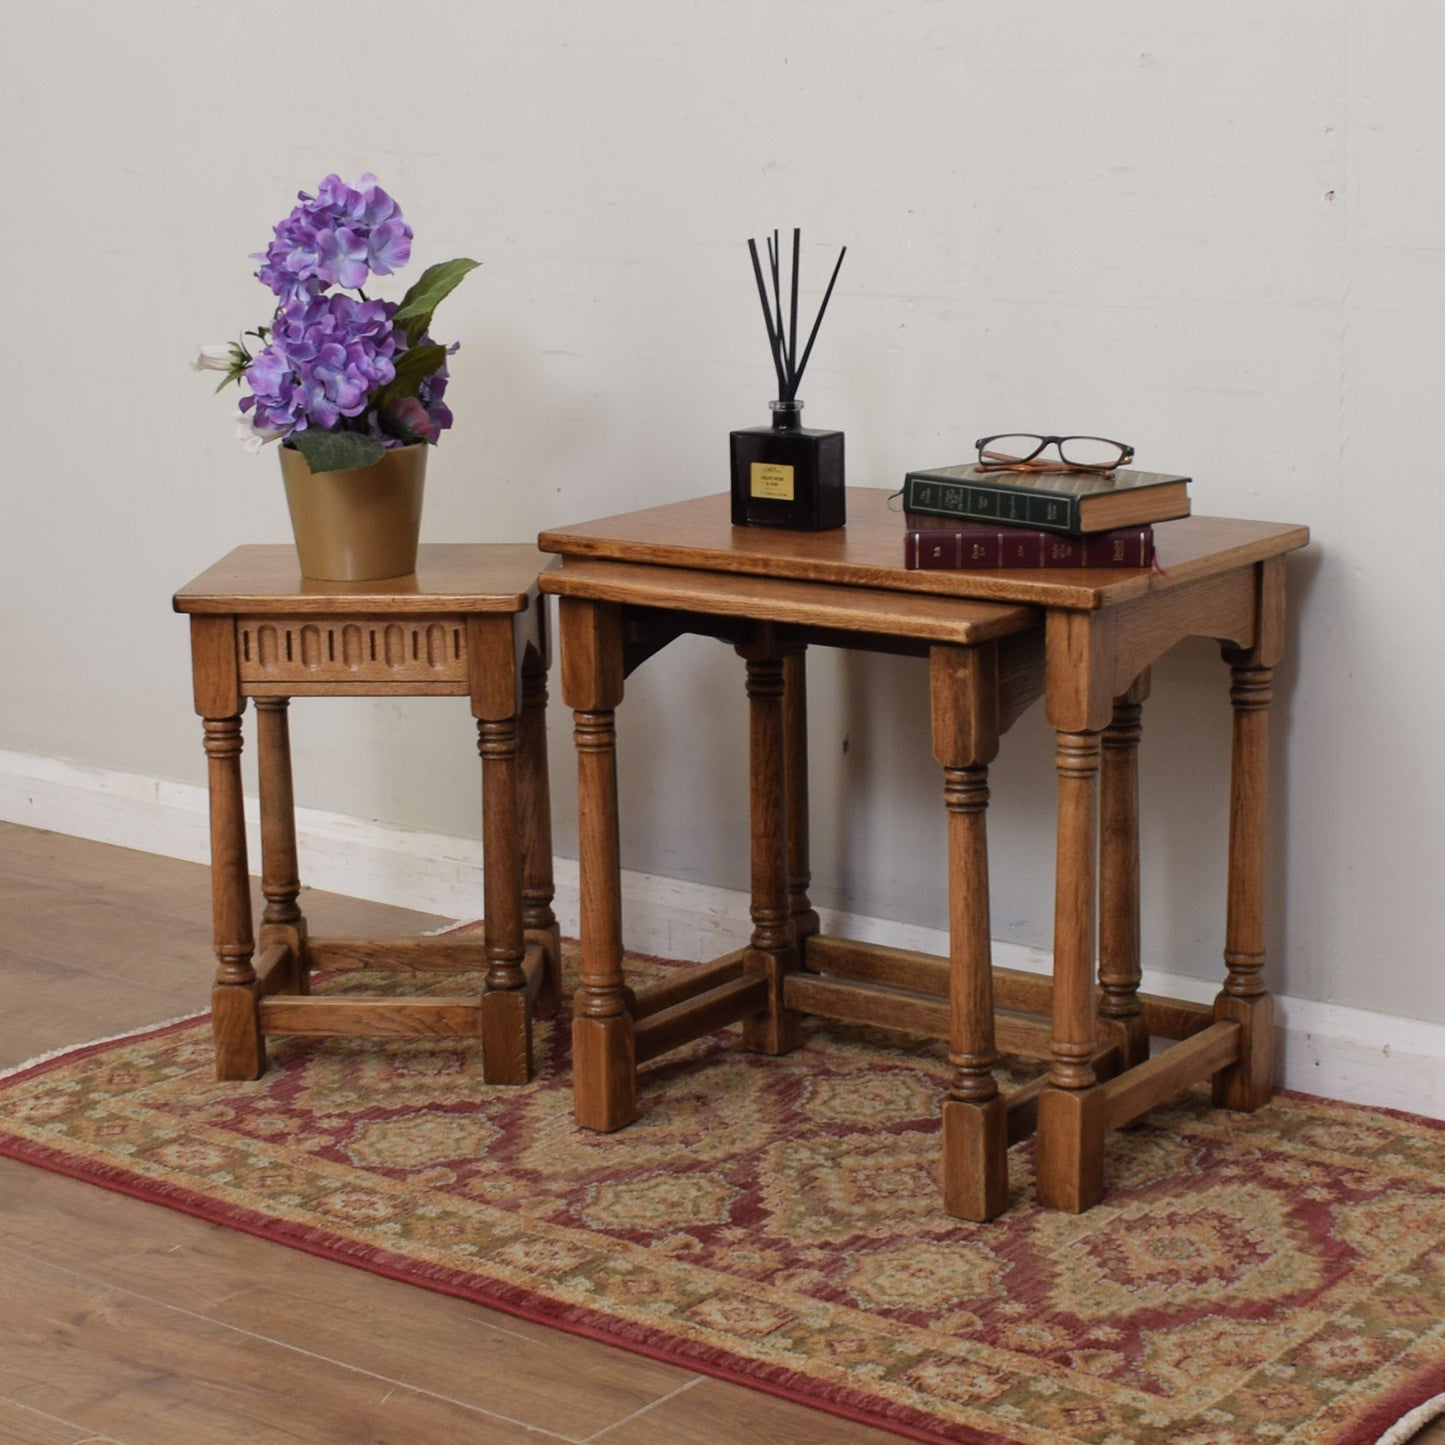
(1073, 502)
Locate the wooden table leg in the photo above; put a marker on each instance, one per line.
(235, 1014)
(506, 1018)
(281, 922)
(538, 919)
(1248, 1084)
(963, 684)
(604, 1053)
(795, 736)
(496, 703)
(235, 1022)
(1121, 1015)
(1071, 1122)
(774, 947)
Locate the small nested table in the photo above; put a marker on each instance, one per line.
(469, 623)
(994, 642)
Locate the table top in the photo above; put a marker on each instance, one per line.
(852, 609)
(868, 552)
(457, 577)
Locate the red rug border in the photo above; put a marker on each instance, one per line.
(1384, 1415)
(520, 1304)
(901, 1420)
(588, 1324)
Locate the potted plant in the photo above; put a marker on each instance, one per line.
(350, 385)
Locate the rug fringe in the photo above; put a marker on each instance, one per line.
(64, 1050)
(69, 1050)
(530, 1288)
(1406, 1428)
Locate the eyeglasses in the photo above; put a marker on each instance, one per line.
(1019, 452)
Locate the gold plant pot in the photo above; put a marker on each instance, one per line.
(360, 524)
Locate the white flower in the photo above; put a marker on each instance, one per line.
(253, 438)
(214, 358)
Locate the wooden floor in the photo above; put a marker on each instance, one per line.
(124, 1321)
(129, 1322)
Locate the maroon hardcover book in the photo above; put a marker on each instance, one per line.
(973, 547)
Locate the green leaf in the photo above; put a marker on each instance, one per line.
(413, 367)
(336, 451)
(432, 287)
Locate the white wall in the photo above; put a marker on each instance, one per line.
(1214, 231)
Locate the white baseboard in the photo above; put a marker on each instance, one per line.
(1344, 1053)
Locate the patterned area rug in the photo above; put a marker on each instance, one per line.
(1276, 1277)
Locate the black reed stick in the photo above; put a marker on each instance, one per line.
(813, 335)
(793, 306)
(773, 345)
(774, 256)
(783, 338)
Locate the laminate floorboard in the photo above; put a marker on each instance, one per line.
(129, 1322)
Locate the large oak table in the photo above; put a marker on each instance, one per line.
(994, 642)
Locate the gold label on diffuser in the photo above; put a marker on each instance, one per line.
(772, 481)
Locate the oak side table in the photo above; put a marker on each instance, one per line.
(470, 623)
(994, 642)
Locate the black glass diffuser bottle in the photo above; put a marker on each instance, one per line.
(786, 474)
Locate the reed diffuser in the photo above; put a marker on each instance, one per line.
(786, 474)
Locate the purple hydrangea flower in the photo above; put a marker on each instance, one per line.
(388, 247)
(337, 237)
(328, 357)
(341, 257)
(430, 394)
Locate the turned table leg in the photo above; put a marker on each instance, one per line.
(235, 1015)
(1121, 1015)
(506, 1020)
(538, 919)
(604, 1053)
(496, 702)
(1071, 1124)
(235, 1022)
(1248, 1084)
(774, 949)
(281, 922)
(795, 735)
(963, 684)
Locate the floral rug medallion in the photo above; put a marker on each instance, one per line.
(1273, 1277)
